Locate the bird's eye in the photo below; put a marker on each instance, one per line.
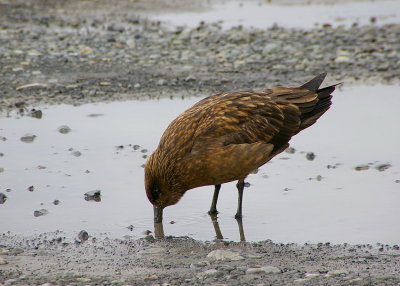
(155, 193)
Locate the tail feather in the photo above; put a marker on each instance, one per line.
(311, 114)
(314, 84)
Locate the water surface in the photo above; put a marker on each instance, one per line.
(290, 199)
(264, 14)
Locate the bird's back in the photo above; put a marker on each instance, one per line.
(225, 136)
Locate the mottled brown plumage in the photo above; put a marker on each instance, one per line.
(224, 137)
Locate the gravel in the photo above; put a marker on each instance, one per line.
(49, 258)
(54, 53)
(76, 52)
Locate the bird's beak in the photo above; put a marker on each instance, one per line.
(158, 212)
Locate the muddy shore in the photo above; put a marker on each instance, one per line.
(76, 52)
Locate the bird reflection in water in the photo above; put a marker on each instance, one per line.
(159, 228)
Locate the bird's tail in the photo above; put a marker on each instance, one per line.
(312, 111)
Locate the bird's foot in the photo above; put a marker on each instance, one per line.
(238, 216)
(213, 212)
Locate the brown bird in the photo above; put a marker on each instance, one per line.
(224, 137)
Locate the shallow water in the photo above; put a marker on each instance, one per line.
(264, 14)
(282, 203)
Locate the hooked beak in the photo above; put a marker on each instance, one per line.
(158, 212)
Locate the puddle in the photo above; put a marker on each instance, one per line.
(291, 199)
(264, 14)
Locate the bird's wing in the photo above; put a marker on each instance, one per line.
(249, 117)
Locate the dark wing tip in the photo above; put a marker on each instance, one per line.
(314, 84)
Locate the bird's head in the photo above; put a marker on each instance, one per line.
(162, 189)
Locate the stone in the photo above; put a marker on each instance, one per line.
(3, 198)
(264, 270)
(41, 212)
(93, 196)
(382, 167)
(361, 167)
(338, 272)
(224, 255)
(209, 273)
(64, 129)
(153, 250)
(310, 156)
(28, 138)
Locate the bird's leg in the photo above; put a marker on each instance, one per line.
(240, 187)
(213, 208)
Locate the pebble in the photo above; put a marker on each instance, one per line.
(40, 212)
(64, 129)
(28, 138)
(3, 261)
(83, 235)
(224, 255)
(3, 198)
(151, 278)
(310, 156)
(338, 272)
(161, 82)
(83, 279)
(264, 270)
(36, 113)
(361, 167)
(209, 273)
(93, 196)
(290, 150)
(76, 153)
(153, 250)
(382, 167)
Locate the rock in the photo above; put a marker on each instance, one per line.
(224, 255)
(151, 278)
(3, 198)
(76, 153)
(153, 250)
(310, 156)
(41, 212)
(361, 167)
(209, 273)
(265, 269)
(93, 196)
(343, 57)
(28, 138)
(312, 275)
(30, 85)
(338, 272)
(64, 129)
(3, 261)
(199, 264)
(161, 82)
(83, 235)
(36, 113)
(290, 150)
(190, 78)
(83, 279)
(31, 188)
(382, 167)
